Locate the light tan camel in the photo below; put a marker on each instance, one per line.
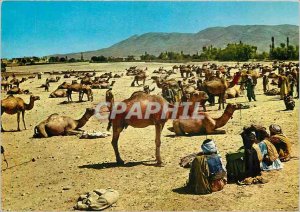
(56, 125)
(233, 92)
(204, 126)
(58, 93)
(121, 121)
(16, 105)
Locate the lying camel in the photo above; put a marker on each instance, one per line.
(16, 90)
(233, 92)
(207, 125)
(58, 93)
(12, 105)
(56, 125)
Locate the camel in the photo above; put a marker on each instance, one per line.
(15, 81)
(77, 87)
(56, 125)
(171, 83)
(140, 77)
(67, 76)
(175, 67)
(121, 121)
(16, 90)
(12, 105)
(58, 93)
(233, 92)
(86, 80)
(204, 126)
(6, 85)
(186, 70)
(216, 87)
(52, 79)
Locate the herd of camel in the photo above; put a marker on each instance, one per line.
(196, 84)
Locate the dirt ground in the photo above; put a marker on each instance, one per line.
(81, 165)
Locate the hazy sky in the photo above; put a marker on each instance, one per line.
(43, 28)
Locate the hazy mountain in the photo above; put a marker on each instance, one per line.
(155, 43)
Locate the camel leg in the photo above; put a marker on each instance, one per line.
(132, 84)
(223, 100)
(80, 96)
(214, 132)
(158, 129)
(18, 120)
(2, 111)
(23, 119)
(114, 142)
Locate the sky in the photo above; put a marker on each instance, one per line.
(45, 28)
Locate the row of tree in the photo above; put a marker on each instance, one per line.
(232, 52)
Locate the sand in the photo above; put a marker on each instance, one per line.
(66, 167)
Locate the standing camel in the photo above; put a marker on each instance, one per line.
(121, 120)
(12, 105)
(140, 77)
(216, 87)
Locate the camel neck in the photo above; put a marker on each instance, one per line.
(30, 105)
(82, 121)
(221, 121)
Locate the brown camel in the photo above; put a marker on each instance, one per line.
(121, 121)
(6, 85)
(171, 83)
(58, 93)
(188, 71)
(12, 105)
(77, 87)
(140, 77)
(216, 87)
(56, 125)
(15, 82)
(16, 90)
(204, 126)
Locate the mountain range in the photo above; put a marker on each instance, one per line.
(157, 42)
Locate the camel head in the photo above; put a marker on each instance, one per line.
(230, 108)
(198, 96)
(89, 112)
(63, 85)
(34, 98)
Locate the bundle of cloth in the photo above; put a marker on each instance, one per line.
(92, 135)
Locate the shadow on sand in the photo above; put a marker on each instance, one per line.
(114, 164)
(66, 102)
(182, 190)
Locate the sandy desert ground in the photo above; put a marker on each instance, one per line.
(81, 165)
